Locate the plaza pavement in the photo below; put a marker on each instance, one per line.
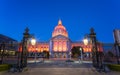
(61, 68)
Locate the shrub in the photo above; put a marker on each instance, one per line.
(69, 60)
(4, 67)
(114, 67)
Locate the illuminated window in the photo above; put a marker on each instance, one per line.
(60, 46)
(64, 46)
(55, 46)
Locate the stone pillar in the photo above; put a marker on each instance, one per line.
(67, 48)
(51, 47)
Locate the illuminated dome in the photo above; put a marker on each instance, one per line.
(60, 30)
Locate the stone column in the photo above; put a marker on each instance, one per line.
(51, 47)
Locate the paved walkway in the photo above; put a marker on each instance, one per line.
(61, 68)
(60, 64)
(62, 71)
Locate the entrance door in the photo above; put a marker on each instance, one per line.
(64, 55)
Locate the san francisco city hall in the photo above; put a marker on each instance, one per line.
(59, 46)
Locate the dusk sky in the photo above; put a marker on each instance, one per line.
(78, 16)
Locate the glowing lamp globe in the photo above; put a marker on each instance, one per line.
(85, 41)
(33, 41)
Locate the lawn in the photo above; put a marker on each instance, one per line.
(114, 67)
(4, 67)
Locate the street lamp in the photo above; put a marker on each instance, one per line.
(81, 53)
(85, 40)
(33, 42)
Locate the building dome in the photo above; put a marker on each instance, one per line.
(60, 30)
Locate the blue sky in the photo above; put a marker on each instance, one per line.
(78, 16)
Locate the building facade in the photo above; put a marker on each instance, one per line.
(60, 45)
(10, 45)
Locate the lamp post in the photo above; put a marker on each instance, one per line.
(33, 42)
(36, 55)
(81, 53)
(23, 60)
(95, 53)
